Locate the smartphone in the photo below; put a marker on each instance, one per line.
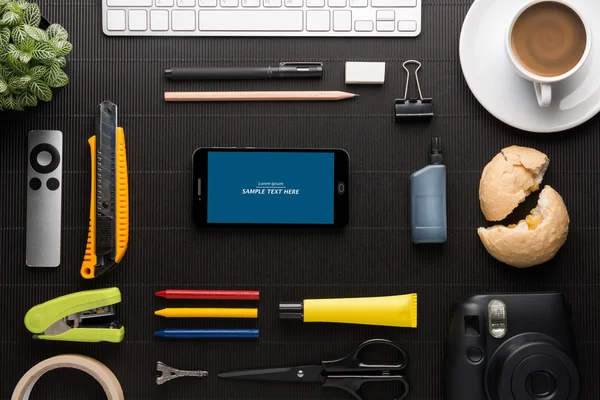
(271, 187)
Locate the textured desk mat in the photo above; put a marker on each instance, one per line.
(373, 256)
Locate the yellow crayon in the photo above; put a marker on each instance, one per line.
(208, 312)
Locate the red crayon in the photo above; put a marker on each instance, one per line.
(210, 294)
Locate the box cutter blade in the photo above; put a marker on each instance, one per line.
(108, 234)
(77, 317)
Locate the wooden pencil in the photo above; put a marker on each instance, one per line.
(258, 96)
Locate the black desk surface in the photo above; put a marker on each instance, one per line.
(373, 256)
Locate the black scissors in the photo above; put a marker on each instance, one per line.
(348, 373)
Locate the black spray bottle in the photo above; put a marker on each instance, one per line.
(428, 199)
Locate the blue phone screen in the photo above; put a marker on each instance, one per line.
(270, 187)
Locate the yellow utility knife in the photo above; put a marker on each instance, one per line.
(109, 200)
(78, 317)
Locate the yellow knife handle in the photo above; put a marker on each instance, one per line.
(88, 266)
(90, 260)
(122, 196)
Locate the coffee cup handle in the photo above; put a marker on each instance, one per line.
(543, 91)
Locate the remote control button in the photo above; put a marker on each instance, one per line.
(53, 184)
(44, 158)
(35, 184)
(34, 158)
(475, 355)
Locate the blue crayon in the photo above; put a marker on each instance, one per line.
(208, 333)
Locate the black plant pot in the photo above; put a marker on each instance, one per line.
(44, 23)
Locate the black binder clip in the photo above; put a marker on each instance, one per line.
(413, 109)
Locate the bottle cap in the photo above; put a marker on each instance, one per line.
(291, 311)
(436, 156)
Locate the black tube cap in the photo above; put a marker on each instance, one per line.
(291, 311)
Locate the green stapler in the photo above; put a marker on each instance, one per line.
(78, 317)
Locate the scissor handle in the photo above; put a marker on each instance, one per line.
(353, 384)
(353, 363)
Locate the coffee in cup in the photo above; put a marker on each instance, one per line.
(548, 41)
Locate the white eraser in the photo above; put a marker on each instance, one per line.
(365, 73)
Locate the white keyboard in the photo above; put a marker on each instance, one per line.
(323, 18)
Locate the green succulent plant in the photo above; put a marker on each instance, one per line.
(31, 58)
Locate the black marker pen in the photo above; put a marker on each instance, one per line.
(283, 71)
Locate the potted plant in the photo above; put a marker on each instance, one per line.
(32, 55)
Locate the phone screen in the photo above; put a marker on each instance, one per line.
(270, 187)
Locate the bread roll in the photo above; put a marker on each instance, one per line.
(534, 240)
(508, 179)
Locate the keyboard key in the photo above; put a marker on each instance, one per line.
(337, 3)
(294, 3)
(359, 3)
(186, 3)
(115, 20)
(229, 3)
(250, 3)
(407, 26)
(385, 26)
(386, 15)
(250, 20)
(207, 3)
(394, 3)
(183, 20)
(129, 3)
(159, 20)
(272, 3)
(138, 20)
(363, 26)
(342, 21)
(315, 3)
(165, 3)
(317, 21)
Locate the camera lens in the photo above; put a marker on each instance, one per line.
(532, 366)
(541, 384)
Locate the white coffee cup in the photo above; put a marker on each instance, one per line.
(543, 84)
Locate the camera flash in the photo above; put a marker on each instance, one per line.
(497, 318)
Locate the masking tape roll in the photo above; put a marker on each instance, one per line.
(90, 366)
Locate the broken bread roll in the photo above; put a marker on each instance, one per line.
(534, 240)
(509, 178)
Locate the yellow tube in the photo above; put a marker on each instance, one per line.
(208, 312)
(400, 311)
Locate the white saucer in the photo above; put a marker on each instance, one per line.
(494, 81)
